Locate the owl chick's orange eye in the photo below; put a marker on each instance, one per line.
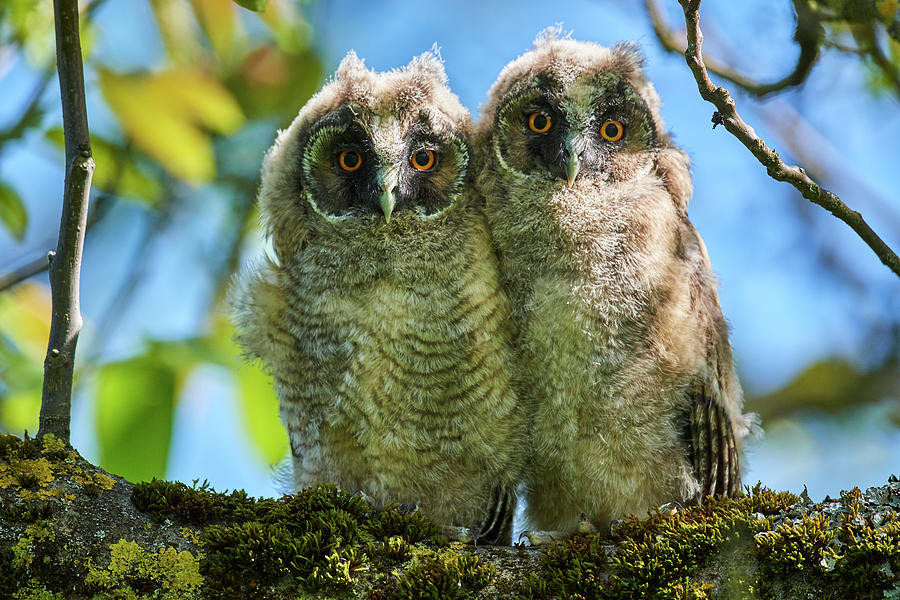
(612, 130)
(423, 160)
(349, 160)
(539, 122)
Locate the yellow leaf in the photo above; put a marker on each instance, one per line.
(218, 20)
(168, 115)
(25, 315)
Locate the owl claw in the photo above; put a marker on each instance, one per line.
(459, 534)
(542, 538)
(585, 527)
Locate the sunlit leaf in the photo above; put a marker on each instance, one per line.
(168, 115)
(178, 31)
(25, 315)
(218, 19)
(20, 411)
(254, 5)
(30, 25)
(12, 212)
(135, 402)
(259, 407)
(116, 171)
(25, 319)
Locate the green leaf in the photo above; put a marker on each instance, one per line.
(116, 171)
(12, 212)
(254, 5)
(259, 407)
(168, 115)
(135, 404)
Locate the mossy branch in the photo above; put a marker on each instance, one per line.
(70, 530)
(65, 269)
(727, 115)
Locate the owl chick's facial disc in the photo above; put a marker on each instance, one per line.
(567, 118)
(361, 162)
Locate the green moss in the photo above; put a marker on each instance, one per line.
(661, 557)
(319, 538)
(134, 574)
(858, 557)
(437, 576)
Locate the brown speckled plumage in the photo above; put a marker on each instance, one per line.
(388, 342)
(622, 341)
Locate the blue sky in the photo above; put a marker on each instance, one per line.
(785, 311)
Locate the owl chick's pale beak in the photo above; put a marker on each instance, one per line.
(388, 199)
(573, 157)
(387, 202)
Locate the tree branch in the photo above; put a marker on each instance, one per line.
(14, 278)
(65, 271)
(808, 34)
(727, 114)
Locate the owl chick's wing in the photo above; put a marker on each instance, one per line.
(713, 435)
(713, 445)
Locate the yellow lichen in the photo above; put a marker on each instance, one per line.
(23, 550)
(53, 445)
(173, 574)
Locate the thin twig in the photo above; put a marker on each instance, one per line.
(26, 271)
(728, 116)
(808, 35)
(65, 270)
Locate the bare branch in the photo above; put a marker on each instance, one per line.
(808, 35)
(727, 114)
(24, 272)
(65, 271)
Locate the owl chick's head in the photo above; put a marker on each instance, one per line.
(369, 149)
(568, 109)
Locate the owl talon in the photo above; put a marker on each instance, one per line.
(460, 534)
(585, 527)
(670, 508)
(539, 537)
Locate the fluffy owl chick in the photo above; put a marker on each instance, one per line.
(624, 347)
(380, 316)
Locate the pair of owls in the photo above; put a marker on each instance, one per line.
(451, 311)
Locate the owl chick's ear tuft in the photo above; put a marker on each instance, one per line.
(351, 67)
(429, 65)
(627, 56)
(551, 34)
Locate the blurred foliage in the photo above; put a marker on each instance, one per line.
(829, 386)
(12, 212)
(186, 123)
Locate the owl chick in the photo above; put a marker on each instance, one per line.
(621, 338)
(380, 316)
